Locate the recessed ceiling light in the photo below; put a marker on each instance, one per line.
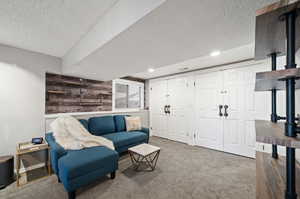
(215, 53)
(150, 70)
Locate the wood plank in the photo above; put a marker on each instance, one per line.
(273, 133)
(55, 92)
(273, 7)
(32, 148)
(270, 33)
(270, 176)
(266, 81)
(77, 94)
(90, 103)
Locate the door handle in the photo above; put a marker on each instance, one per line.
(226, 107)
(220, 110)
(165, 109)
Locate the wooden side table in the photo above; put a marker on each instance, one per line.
(26, 148)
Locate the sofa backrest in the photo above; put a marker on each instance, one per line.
(120, 123)
(101, 125)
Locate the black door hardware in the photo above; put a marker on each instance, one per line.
(168, 109)
(226, 107)
(220, 110)
(165, 109)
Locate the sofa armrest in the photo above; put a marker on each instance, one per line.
(146, 131)
(56, 151)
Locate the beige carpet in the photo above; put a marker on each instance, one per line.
(182, 172)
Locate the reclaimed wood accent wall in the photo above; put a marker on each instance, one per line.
(72, 94)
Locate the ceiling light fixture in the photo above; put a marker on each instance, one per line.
(151, 70)
(215, 53)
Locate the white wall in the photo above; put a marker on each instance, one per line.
(22, 95)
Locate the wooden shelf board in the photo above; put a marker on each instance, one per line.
(273, 133)
(33, 148)
(56, 92)
(90, 104)
(266, 81)
(274, 6)
(73, 83)
(270, 176)
(270, 33)
(65, 83)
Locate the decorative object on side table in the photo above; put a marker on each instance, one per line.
(27, 149)
(144, 153)
(6, 170)
(37, 140)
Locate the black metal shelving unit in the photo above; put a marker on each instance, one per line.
(283, 17)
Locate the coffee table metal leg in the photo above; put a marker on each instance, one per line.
(155, 158)
(152, 161)
(137, 160)
(149, 163)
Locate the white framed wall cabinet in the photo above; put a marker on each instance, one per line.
(210, 109)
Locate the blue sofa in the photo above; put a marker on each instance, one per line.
(76, 168)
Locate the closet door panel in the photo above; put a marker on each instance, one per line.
(244, 106)
(158, 100)
(208, 123)
(178, 116)
(233, 98)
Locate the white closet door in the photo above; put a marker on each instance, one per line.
(208, 123)
(244, 106)
(178, 97)
(158, 100)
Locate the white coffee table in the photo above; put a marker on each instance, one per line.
(144, 153)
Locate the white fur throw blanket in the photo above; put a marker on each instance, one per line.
(72, 135)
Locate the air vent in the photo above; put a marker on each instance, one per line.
(183, 68)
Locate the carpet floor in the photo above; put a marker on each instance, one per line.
(182, 172)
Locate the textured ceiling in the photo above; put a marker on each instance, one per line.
(176, 31)
(234, 55)
(48, 26)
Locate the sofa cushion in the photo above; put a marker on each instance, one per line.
(81, 162)
(101, 125)
(84, 123)
(120, 123)
(124, 138)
